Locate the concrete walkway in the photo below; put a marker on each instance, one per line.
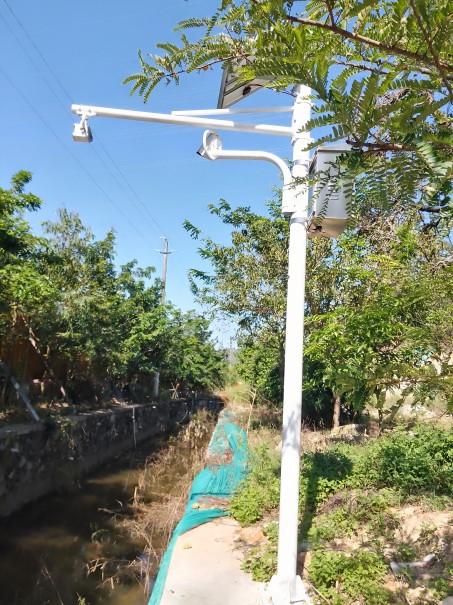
(206, 568)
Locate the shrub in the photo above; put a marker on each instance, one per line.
(415, 462)
(261, 563)
(344, 579)
(344, 489)
(322, 474)
(260, 492)
(353, 509)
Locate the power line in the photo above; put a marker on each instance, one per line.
(130, 187)
(66, 111)
(58, 99)
(72, 155)
(68, 96)
(30, 58)
(37, 50)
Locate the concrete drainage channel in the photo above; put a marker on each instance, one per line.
(37, 459)
(47, 548)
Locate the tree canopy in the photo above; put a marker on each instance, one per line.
(378, 299)
(105, 325)
(378, 306)
(22, 282)
(381, 72)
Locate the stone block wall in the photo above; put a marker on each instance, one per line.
(36, 459)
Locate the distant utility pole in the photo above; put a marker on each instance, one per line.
(165, 252)
(230, 353)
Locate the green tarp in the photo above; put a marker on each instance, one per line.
(227, 458)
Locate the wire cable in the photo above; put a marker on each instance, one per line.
(68, 96)
(74, 157)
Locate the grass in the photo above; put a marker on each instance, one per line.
(356, 504)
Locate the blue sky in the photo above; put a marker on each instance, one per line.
(141, 179)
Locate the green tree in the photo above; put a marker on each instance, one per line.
(157, 337)
(249, 276)
(24, 286)
(16, 240)
(381, 76)
(65, 291)
(260, 364)
(392, 317)
(378, 304)
(381, 73)
(83, 327)
(111, 325)
(191, 357)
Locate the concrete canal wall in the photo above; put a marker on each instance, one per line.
(36, 459)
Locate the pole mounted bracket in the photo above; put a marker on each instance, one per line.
(84, 110)
(211, 149)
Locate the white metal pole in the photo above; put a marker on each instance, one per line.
(227, 154)
(162, 118)
(231, 111)
(286, 586)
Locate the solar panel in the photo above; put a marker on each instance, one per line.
(232, 90)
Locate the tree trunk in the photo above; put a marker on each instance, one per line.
(20, 391)
(35, 344)
(336, 410)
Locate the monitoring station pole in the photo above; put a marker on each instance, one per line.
(286, 586)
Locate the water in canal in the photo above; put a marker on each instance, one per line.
(47, 549)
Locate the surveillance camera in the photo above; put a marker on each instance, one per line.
(211, 144)
(203, 152)
(82, 132)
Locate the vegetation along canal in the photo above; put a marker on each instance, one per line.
(102, 543)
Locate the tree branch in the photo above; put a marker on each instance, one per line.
(380, 146)
(431, 48)
(434, 209)
(362, 67)
(422, 70)
(393, 146)
(390, 48)
(330, 9)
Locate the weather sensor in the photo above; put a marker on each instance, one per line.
(328, 202)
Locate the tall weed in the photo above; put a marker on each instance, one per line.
(260, 492)
(343, 489)
(350, 579)
(415, 462)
